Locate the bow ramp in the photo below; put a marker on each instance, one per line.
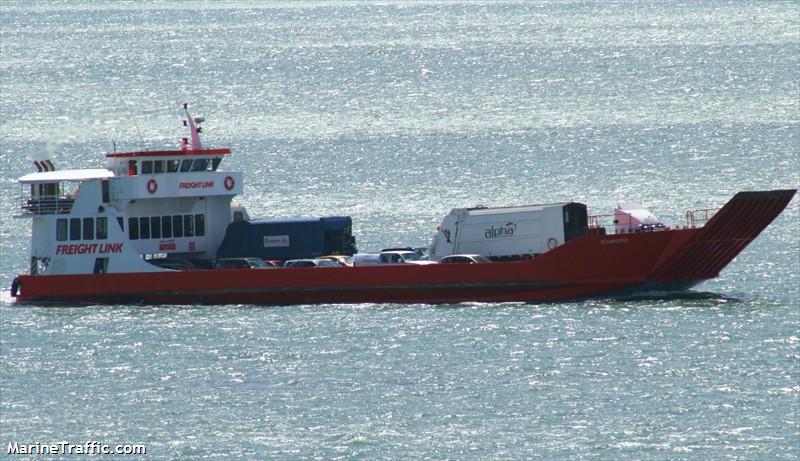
(724, 236)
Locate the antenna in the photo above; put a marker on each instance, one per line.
(144, 144)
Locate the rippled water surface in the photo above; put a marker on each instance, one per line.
(393, 113)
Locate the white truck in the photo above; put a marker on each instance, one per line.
(507, 233)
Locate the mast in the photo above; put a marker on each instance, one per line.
(194, 127)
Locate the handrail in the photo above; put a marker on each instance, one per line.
(692, 219)
(46, 204)
(593, 221)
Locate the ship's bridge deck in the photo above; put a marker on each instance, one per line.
(165, 161)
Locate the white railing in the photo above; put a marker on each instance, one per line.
(46, 204)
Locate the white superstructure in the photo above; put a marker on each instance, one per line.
(142, 205)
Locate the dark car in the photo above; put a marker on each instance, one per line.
(240, 263)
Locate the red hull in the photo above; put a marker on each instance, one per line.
(588, 266)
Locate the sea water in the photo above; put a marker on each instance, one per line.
(394, 113)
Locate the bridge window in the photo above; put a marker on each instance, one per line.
(147, 167)
(88, 228)
(186, 165)
(215, 163)
(61, 230)
(132, 170)
(172, 166)
(75, 228)
(200, 164)
(158, 166)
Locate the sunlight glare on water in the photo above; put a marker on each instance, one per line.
(394, 113)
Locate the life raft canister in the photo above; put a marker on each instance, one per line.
(152, 186)
(229, 182)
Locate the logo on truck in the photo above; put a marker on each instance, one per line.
(505, 230)
(276, 241)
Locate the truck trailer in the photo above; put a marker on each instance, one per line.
(289, 238)
(508, 233)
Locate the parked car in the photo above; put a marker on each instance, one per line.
(390, 257)
(464, 259)
(402, 257)
(343, 260)
(177, 264)
(240, 263)
(311, 263)
(365, 259)
(422, 252)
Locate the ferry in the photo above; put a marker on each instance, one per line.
(117, 234)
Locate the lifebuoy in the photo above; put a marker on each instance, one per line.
(229, 182)
(152, 186)
(552, 243)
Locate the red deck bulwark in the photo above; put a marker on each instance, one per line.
(584, 267)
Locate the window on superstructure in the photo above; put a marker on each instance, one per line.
(200, 164)
(199, 225)
(132, 170)
(158, 166)
(133, 228)
(188, 226)
(177, 226)
(186, 165)
(155, 227)
(166, 227)
(147, 167)
(88, 228)
(50, 189)
(75, 228)
(121, 223)
(144, 228)
(61, 230)
(102, 228)
(172, 166)
(215, 163)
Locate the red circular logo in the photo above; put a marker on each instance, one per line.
(229, 183)
(152, 186)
